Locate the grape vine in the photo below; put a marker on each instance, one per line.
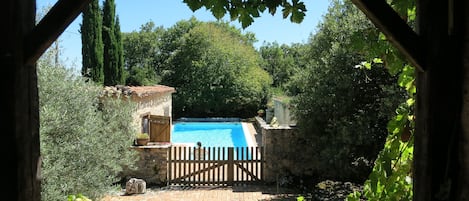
(391, 178)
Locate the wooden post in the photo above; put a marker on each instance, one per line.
(463, 186)
(20, 108)
(439, 102)
(230, 163)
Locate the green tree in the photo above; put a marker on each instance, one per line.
(343, 108)
(142, 53)
(282, 61)
(120, 53)
(111, 49)
(92, 43)
(171, 40)
(216, 73)
(84, 143)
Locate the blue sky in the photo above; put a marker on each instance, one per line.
(134, 13)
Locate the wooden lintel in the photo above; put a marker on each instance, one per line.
(60, 16)
(395, 28)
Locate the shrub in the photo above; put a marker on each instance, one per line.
(83, 145)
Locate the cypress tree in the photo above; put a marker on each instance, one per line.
(92, 43)
(120, 53)
(110, 44)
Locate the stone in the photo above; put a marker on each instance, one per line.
(135, 186)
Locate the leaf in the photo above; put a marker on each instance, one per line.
(298, 11)
(218, 10)
(262, 7)
(272, 5)
(245, 19)
(410, 102)
(297, 16)
(366, 64)
(373, 181)
(382, 36)
(253, 12)
(406, 79)
(411, 13)
(286, 11)
(387, 165)
(377, 61)
(194, 4)
(234, 14)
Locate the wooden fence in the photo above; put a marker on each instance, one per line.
(215, 165)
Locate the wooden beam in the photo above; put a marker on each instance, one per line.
(50, 27)
(395, 28)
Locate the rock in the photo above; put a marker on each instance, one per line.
(135, 186)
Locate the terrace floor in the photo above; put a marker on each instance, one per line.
(236, 193)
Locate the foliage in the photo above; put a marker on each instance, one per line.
(300, 198)
(84, 144)
(112, 66)
(391, 178)
(282, 61)
(141, 55)
(215, 73)
(246, 11)
(171, 40)
(92, 43)
(143, 136)
(343, 109)
(77, 197)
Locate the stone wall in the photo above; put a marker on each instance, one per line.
(160, 105)
(151, 166)
(285, 153)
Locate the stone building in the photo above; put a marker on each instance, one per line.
(154, 106)
(153, 116)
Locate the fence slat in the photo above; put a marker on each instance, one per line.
(169, 165)
(214, 165)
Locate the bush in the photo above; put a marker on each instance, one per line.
(83, 145)
(343, 109)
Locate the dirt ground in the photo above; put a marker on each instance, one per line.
(237, 193)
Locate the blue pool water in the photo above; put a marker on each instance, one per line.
(210, 134)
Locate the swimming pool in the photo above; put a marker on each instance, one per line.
(211, 134)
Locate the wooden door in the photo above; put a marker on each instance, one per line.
(160, 128)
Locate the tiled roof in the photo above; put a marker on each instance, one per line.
(139, 91)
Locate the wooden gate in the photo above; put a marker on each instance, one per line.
(215, 165)
(160, 128)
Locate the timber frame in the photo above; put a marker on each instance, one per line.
(439, 49)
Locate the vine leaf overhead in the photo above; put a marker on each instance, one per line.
(246, 11)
